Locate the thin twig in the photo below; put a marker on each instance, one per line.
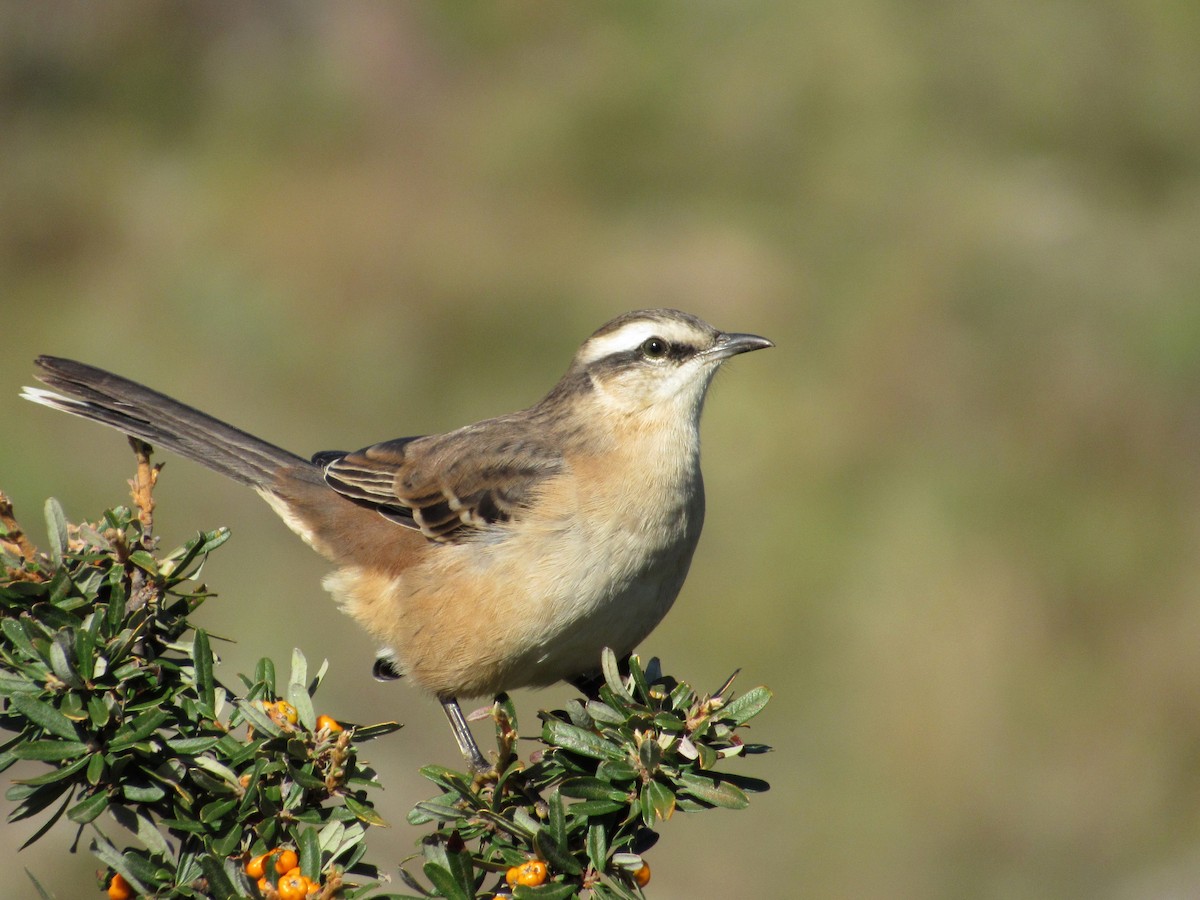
(142, 484)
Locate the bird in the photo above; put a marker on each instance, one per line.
(503, 554)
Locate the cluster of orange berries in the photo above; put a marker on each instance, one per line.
(291, 885)
(534, 872)
(285, 716)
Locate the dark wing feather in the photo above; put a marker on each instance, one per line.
(449, 485)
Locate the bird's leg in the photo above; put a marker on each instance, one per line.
(462, 734)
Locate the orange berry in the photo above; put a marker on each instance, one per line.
(286, 861)
(328, 722)
(287, 712)
(254, 867)
(293, 886)
(263, 884)
(118, 888)
(641, 877)
(529, 874)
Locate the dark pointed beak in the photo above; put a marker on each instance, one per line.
(728, 345)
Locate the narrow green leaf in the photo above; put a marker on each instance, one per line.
(142, 793)
(85, 654)
(60, 658)
(253, 714)
(57, 774)
(602, 712)
(597, 846)
(650, 755)
(229, 842)
(589, 809)
(44, 715)
(577, 740)
(220, 885)
(222, 771)
(616, 770)
(555, 855)
(363, 812)
(658, 802)
(265, 673)
(144, 561)
(56, 528)
(612, 676)
(587, 788)
(441, 812)
(48, 751)
(545, 892)
(114, 859)
(747, 706)
(88, 809)
(716, 793)
(192, 746)
(441, 879)
(297, 692)
(202, 660)
(639, 679)
(310, 854)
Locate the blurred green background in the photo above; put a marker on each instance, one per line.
(954, 516)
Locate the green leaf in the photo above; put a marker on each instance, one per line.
(56, 528)
(60, 658)
(44, 715)
(142, 793)
(85, 654)
(202, 660)
(363, 812)
(602, 712)
(612, 676)
(191, 746)
(592, 808)
(597, 845)
(555, 855)
(87, 810)
(114, 859)
(220, 885)
(297, 692)
(310, 854)
(222, 771)
(253, 714)
(144, 561)
(650, 755)
(587, 788)
(711, 791)
(48, 751)
(545, 892)
(657, 802)
(441, 879)
(747, 706)
(639, 678)
(57, 774)
(578, 740)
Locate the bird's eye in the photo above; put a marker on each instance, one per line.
(654, 348)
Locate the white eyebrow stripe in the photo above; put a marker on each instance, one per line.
(631, 335)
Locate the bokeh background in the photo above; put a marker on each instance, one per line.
(954, 517)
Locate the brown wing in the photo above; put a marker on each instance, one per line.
(449, 485)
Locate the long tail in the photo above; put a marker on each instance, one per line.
(160, 421)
